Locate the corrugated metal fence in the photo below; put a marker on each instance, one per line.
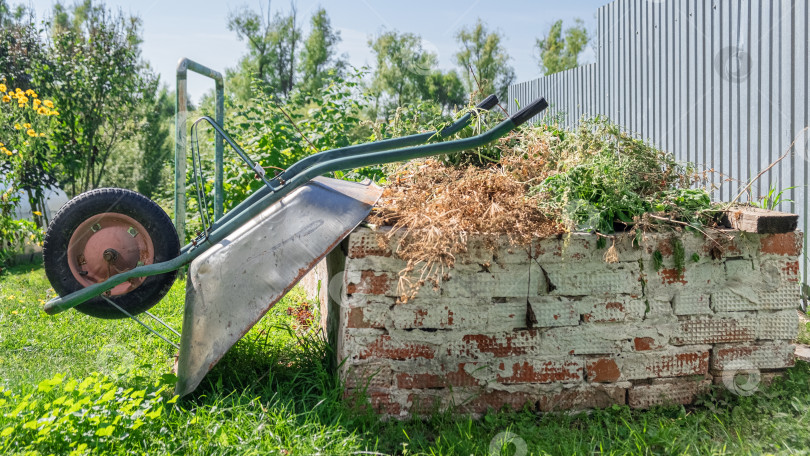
(721, 83)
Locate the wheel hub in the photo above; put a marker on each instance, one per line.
(107, 244)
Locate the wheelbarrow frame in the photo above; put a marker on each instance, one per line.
(301, 172)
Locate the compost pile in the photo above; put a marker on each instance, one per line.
(537, 182)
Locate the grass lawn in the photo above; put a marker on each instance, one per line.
(71, 384)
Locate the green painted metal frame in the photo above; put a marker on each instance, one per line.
(180, 117)
(326, 162)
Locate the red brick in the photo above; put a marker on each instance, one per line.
(541, 371)
(671, 275)
(371, 283)
(424, 402)
(356, 319)
(369, 375)
(644, 343)
(667, 391)
(712, 330)
(582, 398)
(496, 400)
(673, 362)
(602, 370)
(611, 310)
(384, 347)
(789, 244)
(362, 251)
(501, 345)
(769, 355)
(381, 401)
(791, 271)
(439, 314)
(457, 378)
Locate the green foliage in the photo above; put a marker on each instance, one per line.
(658, 260)
(678, 255)
(154, 142)
(482, 52)
(272, 44)
(95, 75)
(70, 416)
(403, 72)
(26, 126)
(695, 257)
(277, 133)
(773, 199)
(600, 176)
(558, 53)
(14, 233)
(318, 55)
(21, 46)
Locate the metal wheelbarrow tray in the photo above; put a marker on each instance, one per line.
(115, 258)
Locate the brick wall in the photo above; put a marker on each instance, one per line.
(554, 326)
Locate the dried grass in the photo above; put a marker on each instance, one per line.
(433, 208)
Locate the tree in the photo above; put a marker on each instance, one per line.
(318, 55)
(558, 54)
(154, 140)
(482, 52)
(95, 74)
(272, 44)
(20, 46)
(400, 76)
(446, 89)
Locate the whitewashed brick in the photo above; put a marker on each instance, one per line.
(584, 279)
(767, 355)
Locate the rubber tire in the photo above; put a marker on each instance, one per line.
(157, 224)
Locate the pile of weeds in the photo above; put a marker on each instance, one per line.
(542, 181)
(599, 178)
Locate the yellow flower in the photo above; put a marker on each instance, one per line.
(31, 132)
(13, 312)
(22, 99)
(54, 113)
(42, 111)
(48, 103)
(37, 103)
(6, 99)
(38, 214)
(3, 88)
(27, 125)
(18, 90)
(42, 135)
(17, 126)
(7, 152)
(1, 144)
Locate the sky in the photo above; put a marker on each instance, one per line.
(197, 29)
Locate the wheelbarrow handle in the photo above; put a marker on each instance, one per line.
(529, 111)
(63, 303)
(488, 103)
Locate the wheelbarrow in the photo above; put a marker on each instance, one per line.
(113, 253)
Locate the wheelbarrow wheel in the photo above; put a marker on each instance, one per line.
(101, 233)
